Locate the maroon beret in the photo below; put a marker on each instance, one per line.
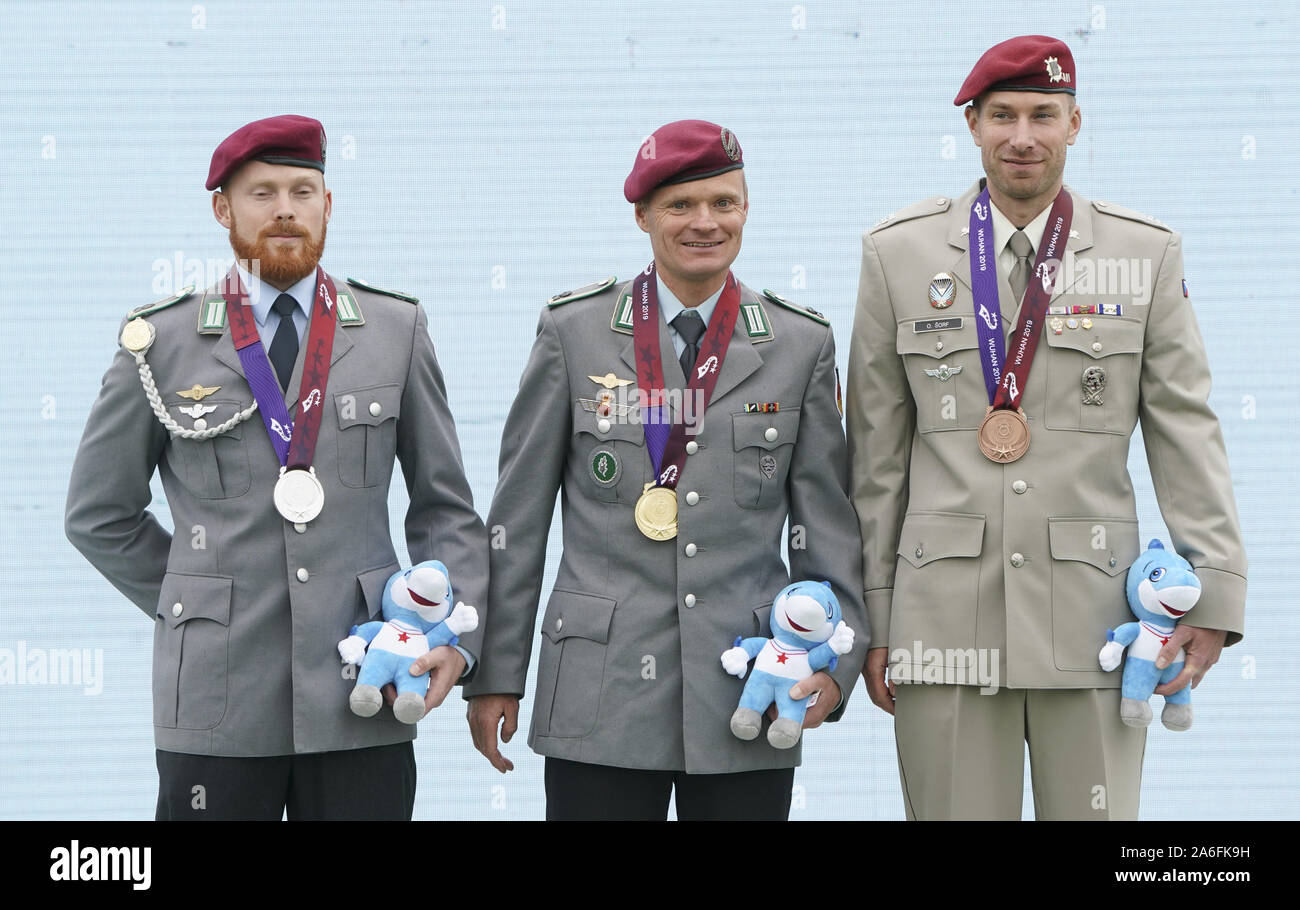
(681, 151)
(289, 139)
(1030, 63)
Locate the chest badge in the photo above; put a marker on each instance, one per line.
(943, 291)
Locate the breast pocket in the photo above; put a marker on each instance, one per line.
(191, 641)
(1090, 561)
(944, 372)
(610, 458)
(217, 467)
(571, 668)
(367, 434)
(1092, 374)
(764, 445)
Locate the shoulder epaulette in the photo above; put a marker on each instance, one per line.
(356, 282)
(587, 290)
(795, 308)
(163, 304)
(933, 206)
(1110, 208)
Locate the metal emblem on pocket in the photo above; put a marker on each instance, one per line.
(1094, 381)
(767, 464)
(943, 372)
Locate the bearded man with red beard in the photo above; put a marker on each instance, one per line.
(273, 405)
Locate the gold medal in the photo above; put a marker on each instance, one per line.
(656, 512)
(137, 336)
(1004, 435)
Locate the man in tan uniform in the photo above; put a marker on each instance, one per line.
(995, 559)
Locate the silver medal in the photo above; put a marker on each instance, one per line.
(299, 496)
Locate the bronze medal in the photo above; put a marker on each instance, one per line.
(1004, 435)
(656, 512)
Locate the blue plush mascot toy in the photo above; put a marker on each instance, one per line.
(418, 617)
(1161, 589)
(808, 634)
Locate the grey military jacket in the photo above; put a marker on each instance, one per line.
(629, 672)
(1019, 568)
(248, 610)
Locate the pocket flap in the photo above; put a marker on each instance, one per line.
(626, 427)
(368, 407)
(570, 614)
(1108, 335)
(1109, 544)
(372, 583)
(197, 596)
(911, 341)
(928, 536)
(755, 429)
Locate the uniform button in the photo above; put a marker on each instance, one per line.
(691, 549)
(940, 201)
(177, 609)
(559, 623)
(1096, 345)
(375, 409)
(1113, 561)
(1020, 486)
(689, 600)
(200, 424)
(300, 527)
(1101, 204)
(692, 498)
(692, 447)
(1017, 560)
(603, 425)
(938, 345)
(770, 434)
(302, 575)
(919, 552)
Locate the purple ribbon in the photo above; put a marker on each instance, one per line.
(984, 290)
(269, 398)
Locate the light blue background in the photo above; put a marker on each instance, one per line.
(461, 152)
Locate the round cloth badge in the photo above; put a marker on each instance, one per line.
(604, 466)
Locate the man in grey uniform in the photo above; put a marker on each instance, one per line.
(998, 515)
(260, 580)
(656, 582)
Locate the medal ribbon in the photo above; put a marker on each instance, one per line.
(294, 444)
(1006, 383)
(668, 445)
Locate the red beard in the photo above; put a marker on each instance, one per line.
(279, 266)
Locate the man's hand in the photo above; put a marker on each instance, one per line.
(1203, 647)
(445, 665)
(484, 714)
(881, 692)
(485, 711)
(828, 696)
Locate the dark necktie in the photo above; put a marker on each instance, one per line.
(690, 327)
(1019, 278)
(284, 346)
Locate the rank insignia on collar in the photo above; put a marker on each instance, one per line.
(943, 291)
(198, 392)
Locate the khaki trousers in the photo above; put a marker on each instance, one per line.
(961, 754)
